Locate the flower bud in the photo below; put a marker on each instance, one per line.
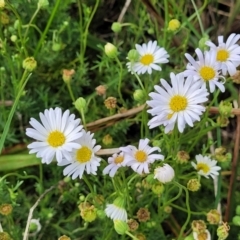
(158, 188)
(222, 231)
(5, 236)
(236, 220)
(238, 210)
(107, 140)
(222, 121)
(101, 214)
(132, 224)
(116, 27)
(64, 237)
(6, 209)
(88, 212)
(193, 185)
(202, 42)
(101, 90)
(56, 46)
(110, 103)
(167, 209)
(110, 50)
(29, 64)
(143, 215)
(182, 157)
(120, 227)
(133, 55)
(139, 95)
(164, 174)
(13, 38)
(67, 75)
(174, 25)
(213, 216)
(225, 108)
(43, 3)
(205, 235)
(198, 226)
(80, 104)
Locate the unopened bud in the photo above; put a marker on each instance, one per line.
(202, 42)
(174, 25)
(43, 3)
(110, 50)
(64, 237)
(29, 64)
(213, 216)
(133, 55)
(107, 140)
(198, 226)
(120, 227)
(13, 38)
(6, 209)
(116, 27)
(139, 95)
(236, 220)
(223, 231)
(67, 75)
(193, 185)
(80, 104)
(225, 108)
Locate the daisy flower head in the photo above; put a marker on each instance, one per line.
(150, 55)
(206, 69)
(140, 158)
(56, 135)
(115, 162)
(83, 158)
(206, 166)
(116, 211)
(164, 174)
(228, 54)
(179, 103)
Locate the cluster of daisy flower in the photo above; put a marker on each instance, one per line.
(181, 102)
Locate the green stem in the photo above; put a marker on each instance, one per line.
(70, 91)
(88, 184)
(31, 20)
(184, 210)
(83, 119)
(188, 210)
(20, 176)
(130, 235)
(198, 17)
(120, 80)
(40, 42)
(10, 116)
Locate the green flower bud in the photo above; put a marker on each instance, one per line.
(133, 55)
(193, 185)
(139, 95)
(101, 214)
(67, 179)
(43, 3)
(120, 227)
(158, 188)
(236, 220)
(80, 104)
(13, 38)
(110, 50)
(225, 108)
(202, 42)
(238, 210)
(29, 64)
(2, 4)
(222, 231)
(174, 25)
(56, 46)
(116, 27)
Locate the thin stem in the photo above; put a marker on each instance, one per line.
(10, 116)
(120, 80)
(20, 176)
(83, 118)
(89, 185)
(198, 17)
(47, 27)
(184, 210)
(130, 235)
(31, 20)
(70, 91)
(188, 210)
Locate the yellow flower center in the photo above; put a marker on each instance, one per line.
(56, 139)
(222, 55)
(207, 73)
(140, 156)
(118, 159)
(204, 167)
(83, 154)
(202, 236)
(147, 59)
(177, 104)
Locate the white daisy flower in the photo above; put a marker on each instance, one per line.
(115, 162)
(164, 174)
(205, 166)
(56, 135)
(177, 103)
(149, 56)
(228, 54)
(202, 235)
(116, 211)
(139, 158)
(83, 158)
(206, 69)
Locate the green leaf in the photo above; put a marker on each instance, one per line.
(13, 162)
